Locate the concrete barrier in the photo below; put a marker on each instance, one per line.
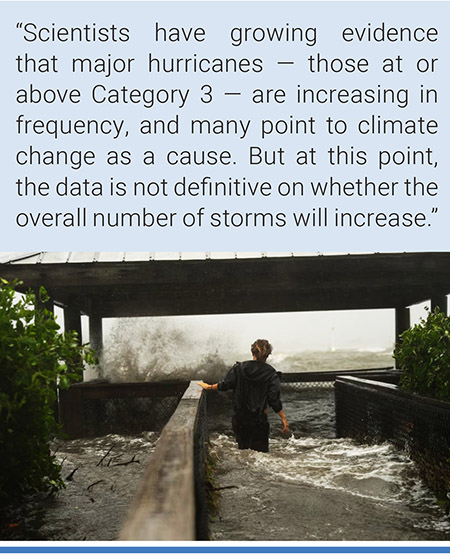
(170, 504)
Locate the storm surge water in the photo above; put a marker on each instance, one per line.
(157, 349)
(314, 486)
(165, 348)
(311, 486)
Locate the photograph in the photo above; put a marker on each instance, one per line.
(225, 396)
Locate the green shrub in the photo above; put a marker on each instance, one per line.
(424, 355)
(34, 359)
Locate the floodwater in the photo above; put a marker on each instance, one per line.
(313, 486)
(108, 471)
(102, 476)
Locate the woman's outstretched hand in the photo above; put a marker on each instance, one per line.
(204, 385)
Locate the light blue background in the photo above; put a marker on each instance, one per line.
(218, 18)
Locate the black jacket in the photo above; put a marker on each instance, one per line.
(255, 385)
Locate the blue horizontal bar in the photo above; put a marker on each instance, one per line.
(237, 549)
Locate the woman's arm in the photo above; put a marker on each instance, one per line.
(284, 421)
(207, 386)
(227, 383)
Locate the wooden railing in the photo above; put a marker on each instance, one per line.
(74, 402)
(167, 505)
(373, 411)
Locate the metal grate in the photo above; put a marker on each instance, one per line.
(314, 385)
(325, 379)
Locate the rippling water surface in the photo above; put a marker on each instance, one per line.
(364, 475)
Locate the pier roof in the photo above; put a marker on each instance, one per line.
(158, 283)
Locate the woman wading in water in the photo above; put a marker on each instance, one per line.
(255, 385)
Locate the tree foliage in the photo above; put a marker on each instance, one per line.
(424, 355)
(35, 359)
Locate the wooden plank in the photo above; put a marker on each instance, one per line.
(377, 269)
(191, 302)
(71, 400)
(164, 508)
(379, 386)
(130, 389)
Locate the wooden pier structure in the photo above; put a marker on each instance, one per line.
(119, 284)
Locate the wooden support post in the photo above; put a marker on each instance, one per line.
(439, 300)
(39, 304)
(96, 336)
(72, 321)
(402, 320)
(402, 323)
(71, 411)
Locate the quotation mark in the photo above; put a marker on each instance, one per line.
(19, 25)
(433, 211)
